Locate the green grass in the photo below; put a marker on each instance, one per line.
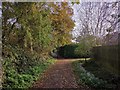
(90, 74)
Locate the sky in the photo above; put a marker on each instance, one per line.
(76, 16)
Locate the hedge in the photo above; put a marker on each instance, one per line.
(108, 57)
(74, 51)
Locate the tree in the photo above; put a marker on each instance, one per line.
(96, 18)
(28, 25)
(62, 23)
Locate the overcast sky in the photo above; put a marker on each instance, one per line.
(77, 15)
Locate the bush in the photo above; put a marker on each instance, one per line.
(74, 51)
(108, 57)
(21, 69)
(86, 77)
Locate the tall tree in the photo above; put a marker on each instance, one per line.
(62, 23)
(28, 25)
(96, 18)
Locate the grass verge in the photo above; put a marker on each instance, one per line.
(90, 74)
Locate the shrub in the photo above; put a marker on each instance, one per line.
(74, 51)
(21, 69)
(86, 77)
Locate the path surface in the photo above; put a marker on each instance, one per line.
(59, 75)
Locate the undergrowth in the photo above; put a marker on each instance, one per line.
(90, 74)
(22, 68)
